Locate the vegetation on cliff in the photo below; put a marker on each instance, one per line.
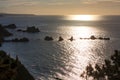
(109, 71)
(11, 69)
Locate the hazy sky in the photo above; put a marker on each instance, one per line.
(61, 7)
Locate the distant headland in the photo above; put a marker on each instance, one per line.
(8, 14)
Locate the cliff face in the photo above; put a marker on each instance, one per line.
(23, 74)
(11, 69)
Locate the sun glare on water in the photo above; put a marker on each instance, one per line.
(83, 17)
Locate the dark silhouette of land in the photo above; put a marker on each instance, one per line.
(32, 29)
(60, 39)
(109, 71)
(48, 38)
(12, 69)
(24, 39)
(11, 26)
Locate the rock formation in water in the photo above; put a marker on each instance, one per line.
(11, 26)
(71, 39)
(32, 29)
(48, 38)
(24, 39)
(60, 39)
(93, 37)
(11, 69)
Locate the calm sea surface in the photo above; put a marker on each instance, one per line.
(66, 60)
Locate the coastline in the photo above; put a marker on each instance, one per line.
(11, 69)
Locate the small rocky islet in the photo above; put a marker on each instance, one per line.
(24, 39)
(32, 29)
(10, 26)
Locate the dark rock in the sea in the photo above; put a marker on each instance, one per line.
(58, 79)
(71, 39)
(101, 38)
(4, 32)
(24, 39)
(19, 30)
(60, 39)
(32, 29)
(47, 38)
(11, 26)
(93, 37)
(11, 69)
(106, 38)
(20, 40)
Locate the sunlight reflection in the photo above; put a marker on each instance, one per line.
(83, 17)
(79, 52)
(82, 31)
(80, 55)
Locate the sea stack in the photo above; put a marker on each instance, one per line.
(32, 29)
(48, 38)
(11, 26)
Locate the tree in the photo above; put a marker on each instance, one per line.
(109, 71)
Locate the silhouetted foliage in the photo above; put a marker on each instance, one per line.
(109, 71)
(11, 69)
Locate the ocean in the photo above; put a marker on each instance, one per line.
(48, 60)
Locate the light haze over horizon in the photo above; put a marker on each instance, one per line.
(61, 7)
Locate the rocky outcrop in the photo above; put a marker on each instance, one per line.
(48, 38)
(11, 26)
(94, 38)
(32, 29)
(20, 40)
(60, 39)
(19, 30)
(11, 69)
(71, 39)
(24, 39)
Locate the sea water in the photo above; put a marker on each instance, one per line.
(47, 60)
